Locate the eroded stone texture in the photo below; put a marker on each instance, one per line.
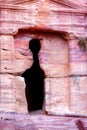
(57, 104)
(21, 104)
(59, 24)
(78, 72)
(77, 57)
(78, 94)
(14, 121)
(7, 89)
(51, 54)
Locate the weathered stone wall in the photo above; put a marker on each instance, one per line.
(62, 60)
(78, 80)
(53, 58)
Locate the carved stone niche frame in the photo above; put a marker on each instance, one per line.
(55, 57)
(54, 48)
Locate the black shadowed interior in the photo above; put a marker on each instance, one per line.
(34, 79)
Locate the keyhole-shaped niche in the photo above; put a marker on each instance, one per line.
(34, 79)
(53, 59)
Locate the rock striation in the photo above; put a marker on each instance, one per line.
(60, 25)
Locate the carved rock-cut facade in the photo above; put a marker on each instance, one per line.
(60, 25)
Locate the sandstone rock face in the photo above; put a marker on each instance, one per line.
(17, 121)
(60, 25)
(21, 104)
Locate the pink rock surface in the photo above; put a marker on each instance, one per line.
(13, 121)
(59, 24)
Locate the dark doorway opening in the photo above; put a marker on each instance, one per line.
(34, 79)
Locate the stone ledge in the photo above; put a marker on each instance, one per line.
(15, 121)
